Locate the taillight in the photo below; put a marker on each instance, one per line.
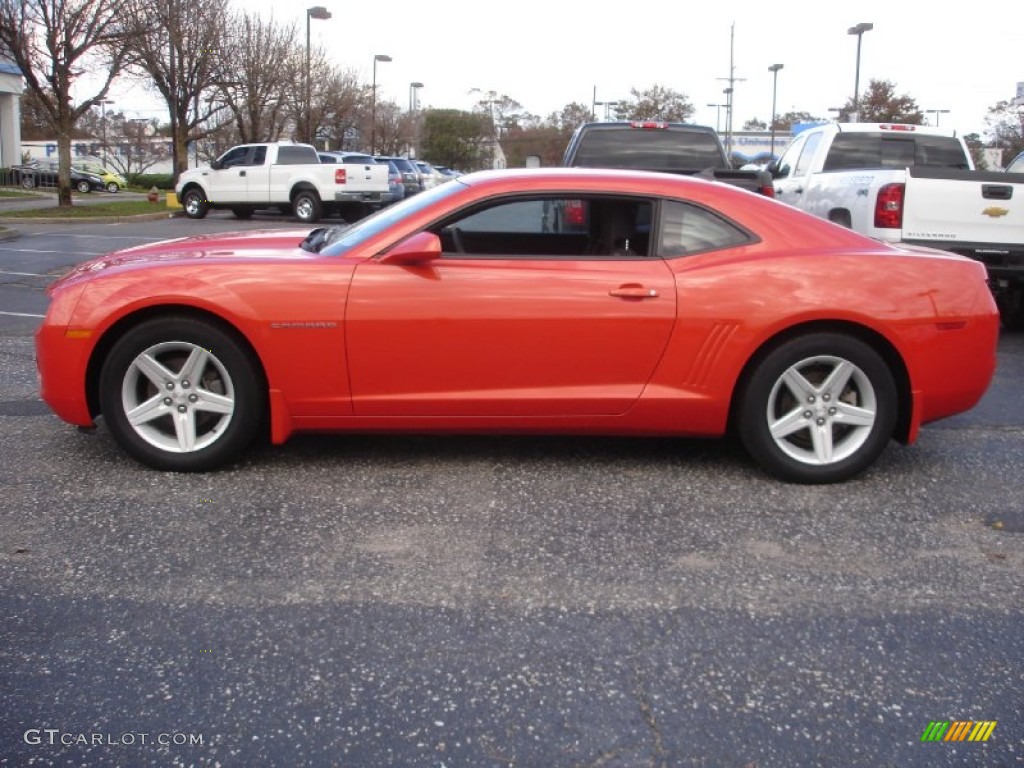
(574, 213)
(889, 207)
(768, 190)
(340, 176)
(649, 125)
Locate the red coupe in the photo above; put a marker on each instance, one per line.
(534, 301)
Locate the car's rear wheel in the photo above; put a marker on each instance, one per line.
(181, 394)
(193, 201)
(819, 408)
(307, 206)
(28, 182)
(83, 187)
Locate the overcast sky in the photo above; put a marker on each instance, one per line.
(547, 54)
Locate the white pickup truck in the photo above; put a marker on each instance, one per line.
(286, 176)
(911, 184)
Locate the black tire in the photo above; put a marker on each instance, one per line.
(242, 212)
(204, 400)
(113, 188)
(836, 428)
(28, 182)
(307, 206)
(194, 203)
(83, 187)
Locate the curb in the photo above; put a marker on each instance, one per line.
(91, 219)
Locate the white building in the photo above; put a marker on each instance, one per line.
(11, 87)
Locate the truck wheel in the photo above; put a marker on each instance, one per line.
(307, 206)
(819, 408)
(195, 204)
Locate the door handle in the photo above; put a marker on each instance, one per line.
(241, 173)
(633, 292)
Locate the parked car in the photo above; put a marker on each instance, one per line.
(457, 310)
(431, 176)
(395, 182)
(112, 181)
(412, 178)
(347, 157)
(445, 171)
(1016, 165)
(45, 173)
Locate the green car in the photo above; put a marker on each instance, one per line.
(112, 181)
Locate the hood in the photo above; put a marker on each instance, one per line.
(251, 245)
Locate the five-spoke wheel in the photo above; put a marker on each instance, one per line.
(819, 408)
(180, 394)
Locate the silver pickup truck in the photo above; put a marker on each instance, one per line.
(912, 184)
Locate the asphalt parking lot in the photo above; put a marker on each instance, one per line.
(496, 601)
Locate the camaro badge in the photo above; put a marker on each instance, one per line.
(995, 212)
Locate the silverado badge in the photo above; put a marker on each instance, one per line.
(995, 211)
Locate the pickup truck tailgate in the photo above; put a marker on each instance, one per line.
(970, 208)
(364, 178)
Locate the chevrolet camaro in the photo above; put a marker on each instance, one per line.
(533, 301)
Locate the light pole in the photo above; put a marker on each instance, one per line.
(937, 112)
(414, 103)
(321, 13)
(373, 103)
(718, 116)
(728, 121)
(859, 31)
(774, 69)
(103, 127)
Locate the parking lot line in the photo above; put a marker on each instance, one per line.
(20, 314)
(27, 274)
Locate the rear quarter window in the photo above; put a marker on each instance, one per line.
(296, 156)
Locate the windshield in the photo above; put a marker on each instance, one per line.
(339, 239)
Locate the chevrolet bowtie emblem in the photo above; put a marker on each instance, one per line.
(995, 212)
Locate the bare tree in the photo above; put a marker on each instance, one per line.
(179, 45)
(53, 42)
(259, 75)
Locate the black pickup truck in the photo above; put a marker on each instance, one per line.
(692, 150)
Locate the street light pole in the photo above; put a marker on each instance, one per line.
(937, 112)
(859, 31)
(718, 116)
(774, 69)
(103, 127)
(321, 13)
(414, 103)
(373, 103)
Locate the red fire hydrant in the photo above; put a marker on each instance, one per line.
(154, 195)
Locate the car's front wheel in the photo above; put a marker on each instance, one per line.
(28, 182)
(181, 394)
(112, 187)
(819, 408)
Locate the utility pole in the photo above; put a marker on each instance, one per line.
(730, 91)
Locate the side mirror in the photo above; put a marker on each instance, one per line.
(418, 249)
(215, 164)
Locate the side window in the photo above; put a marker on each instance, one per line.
(287, 155)
(687, 229)
(789, 156)
(552, 227)
(803, 165)
(234, 157)
(258, 157)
